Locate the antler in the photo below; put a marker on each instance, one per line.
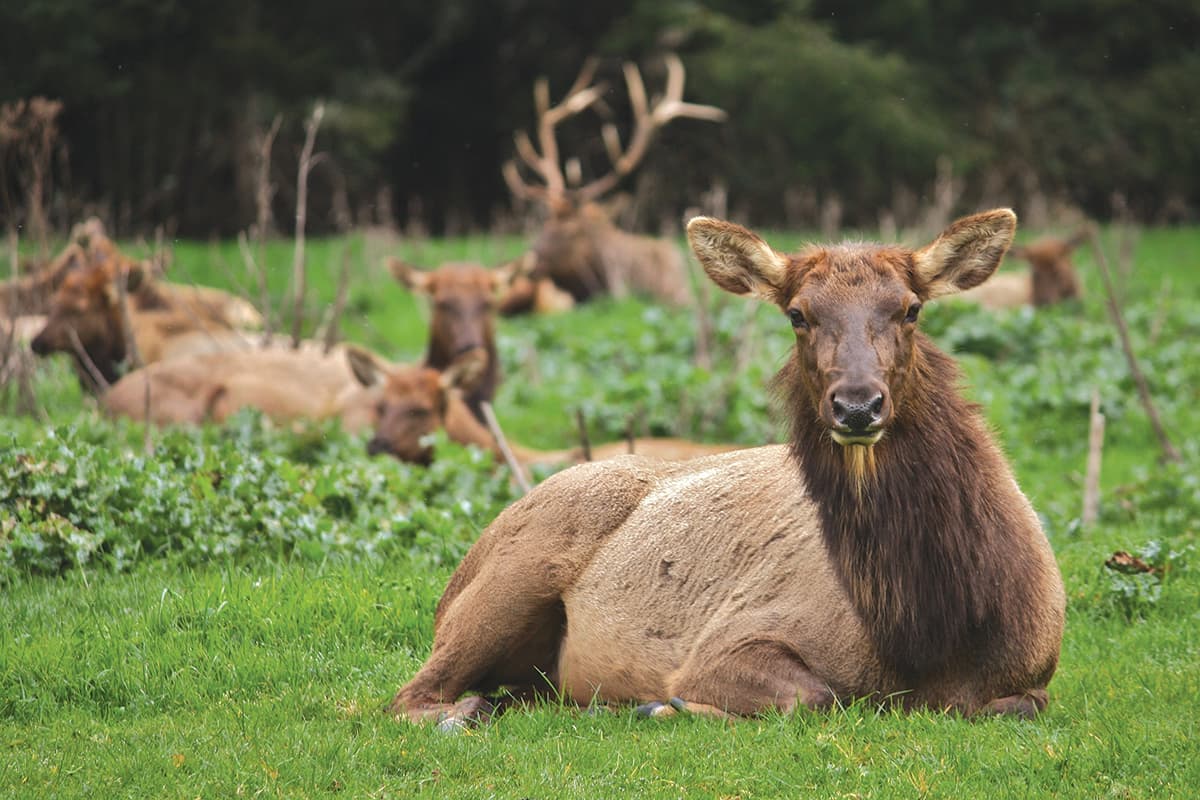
(647, 120)
(578, 99)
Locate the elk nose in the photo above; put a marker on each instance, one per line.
(857, 413)
(376, 446)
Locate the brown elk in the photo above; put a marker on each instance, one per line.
(579, 249)
(86, 321)
(886, 553)
(463, 299)
(415, 401)
(1051, 278)
(286, 385)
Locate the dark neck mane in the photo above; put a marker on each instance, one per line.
(921, 551)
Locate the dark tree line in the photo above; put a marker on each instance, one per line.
(831, 104)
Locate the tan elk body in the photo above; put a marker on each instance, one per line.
(886, 553)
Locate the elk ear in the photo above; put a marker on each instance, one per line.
(965, 254)
(522, 267)
(737, 260)
(410, 277)
(367, 367)
(466, 371)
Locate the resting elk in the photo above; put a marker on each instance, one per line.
(85, 320)
(1051, 277)
(580, 250)
(885, 553)
(463, 299)
(285, 385)
(414, 401)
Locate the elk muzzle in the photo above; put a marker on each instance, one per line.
(858, 412)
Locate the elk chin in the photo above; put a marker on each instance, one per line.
(860, 457)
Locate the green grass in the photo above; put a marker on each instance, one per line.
(262, 670)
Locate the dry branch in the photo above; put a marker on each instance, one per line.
(299, 287)
(1091, 484)
(1169, 451)
(585, 446)
(90, 366)
(494, 426)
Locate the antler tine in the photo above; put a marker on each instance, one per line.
(586, 73)
(512, 177)
(546, 163)
(646, 122)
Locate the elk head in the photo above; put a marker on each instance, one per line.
(1053, 274)
(571, 247)
(854, 311)
(464, 299)
(85, 315)
(415, 400)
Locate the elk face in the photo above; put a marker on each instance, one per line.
(463, 297)
(413, 401)
(853, 308)
(1054, 275)
(86, 305)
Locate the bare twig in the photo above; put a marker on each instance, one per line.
(1091, 484)
(332, 333)
(585, 446)
(518, 472)
(90, 366)
(265, 192)
(1169, 451)
(704, 326)
(299, 288)
(131, 346)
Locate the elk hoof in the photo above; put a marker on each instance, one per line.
(655, 709)
(467, 713)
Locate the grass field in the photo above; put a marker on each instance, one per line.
(238, 633)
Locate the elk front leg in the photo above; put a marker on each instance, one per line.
(744, 678)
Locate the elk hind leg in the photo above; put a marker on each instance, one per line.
(498, 630)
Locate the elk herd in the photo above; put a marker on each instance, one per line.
(884, 552)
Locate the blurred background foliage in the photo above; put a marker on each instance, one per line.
(834, 110)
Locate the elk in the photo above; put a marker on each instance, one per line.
(1051, 277)
(85, 320)
(463, 297)
(414, 401)
(286, 385)
(885, 553)
(579, 249)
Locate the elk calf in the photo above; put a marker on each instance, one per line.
(886, 552)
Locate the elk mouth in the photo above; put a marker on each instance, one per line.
(848, 436)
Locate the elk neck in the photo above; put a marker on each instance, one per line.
(918, 542)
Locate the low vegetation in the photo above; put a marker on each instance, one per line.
(228, 616)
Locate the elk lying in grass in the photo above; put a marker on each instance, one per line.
(85, 320)
(286, 385)
(1051, 277)
(415, 401)
(886, 553)
(463, 299)
(579, 249)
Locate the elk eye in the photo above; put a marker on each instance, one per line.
(797, 318)
(913, 311)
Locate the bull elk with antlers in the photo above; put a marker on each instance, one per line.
(580, 250)
(885, 553)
